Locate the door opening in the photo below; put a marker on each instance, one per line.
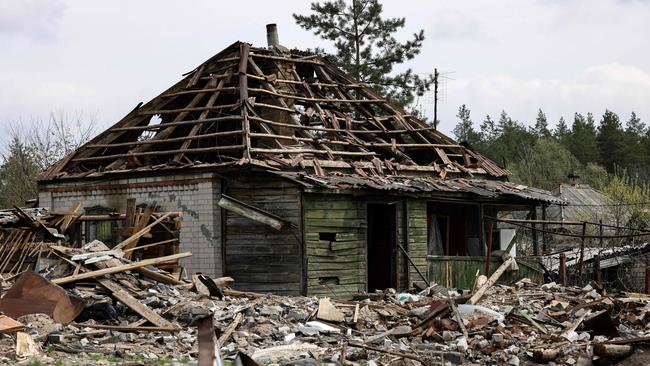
(382, 246)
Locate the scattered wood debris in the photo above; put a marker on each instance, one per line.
(92, 299)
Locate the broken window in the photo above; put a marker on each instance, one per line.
(453, 229)
(104, 231)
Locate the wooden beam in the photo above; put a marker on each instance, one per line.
(307, 99)
(290, 59)
(186, 109)
(118, 269)
(122, 295)
(196, 128)
(491, 281)
(174, 139)
(127, 328)
(139, 229)
(250, 212)
(311, 151)
(164, 152)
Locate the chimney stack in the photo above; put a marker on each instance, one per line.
(574, 180)
(272, 38)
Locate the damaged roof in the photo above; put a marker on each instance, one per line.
(281, 110)
(481, 188)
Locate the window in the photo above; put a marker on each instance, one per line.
(104, 231)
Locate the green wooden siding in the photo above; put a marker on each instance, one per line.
(460, 271)
(335, 268)
(417, 245)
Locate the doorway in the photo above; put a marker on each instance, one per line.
(382, 246)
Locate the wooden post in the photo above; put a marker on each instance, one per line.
(562, 269)
(597, 276)
(600, 231)
(582, 249)
(544, 236)
(534, 233)
(481, 223)
(488, 255)
(647, 280)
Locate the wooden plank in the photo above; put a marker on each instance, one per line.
(140, 233)
(118, 269)
(130, 212)
(127, 328)
(139, 226)
(231, 328)
(255, 214)
(491, 281)
(9, 325)
(122, 295)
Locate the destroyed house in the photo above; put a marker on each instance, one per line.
(292, 177)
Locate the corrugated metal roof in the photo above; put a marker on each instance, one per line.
(583, 203)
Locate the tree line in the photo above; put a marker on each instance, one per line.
(542, 157)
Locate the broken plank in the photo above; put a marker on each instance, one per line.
(140, 233)
(127, 328)
(122, 295)
(9, 325)
(231, 328)
(118, 269)
(491, 281)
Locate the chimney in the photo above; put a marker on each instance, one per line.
(574, 180)
(272, 38)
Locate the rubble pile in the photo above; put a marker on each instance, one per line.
(509, 325)
(67, 303)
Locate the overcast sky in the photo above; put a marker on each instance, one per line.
(102, 58)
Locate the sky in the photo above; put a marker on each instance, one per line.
(100, 59)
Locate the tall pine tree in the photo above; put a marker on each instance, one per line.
(464, 130)
(541, 125)
(561, 131)
(581, 140)
(635, 134)
(611, 142)
(366, 46)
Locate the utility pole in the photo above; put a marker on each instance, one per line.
(435, 98)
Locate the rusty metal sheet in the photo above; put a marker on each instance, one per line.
(33, 294)
(208, 343)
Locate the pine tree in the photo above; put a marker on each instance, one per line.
(512, 141)
(581, 140)
(505, 123)
(561, 132)
(464, 130)
(634, 126)
(541, 125)
(635, 140)
(366, 47)
(611, 142)
(489, 131)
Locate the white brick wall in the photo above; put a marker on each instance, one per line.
(196, 197)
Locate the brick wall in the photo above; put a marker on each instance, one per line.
(196, 195)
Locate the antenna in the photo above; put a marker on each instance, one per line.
(435, 98)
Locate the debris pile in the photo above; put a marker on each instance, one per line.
(92, 302)
(126, 315)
